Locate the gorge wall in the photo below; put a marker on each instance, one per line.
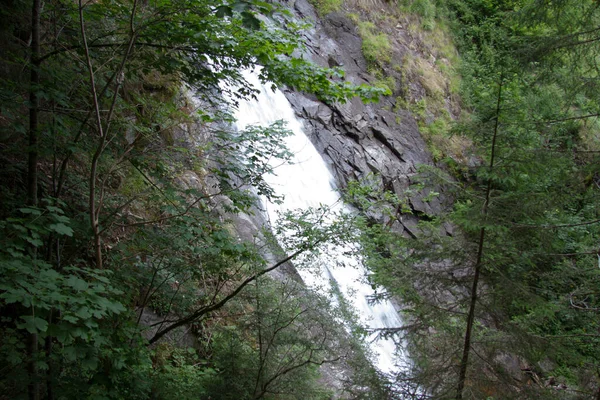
(357, 140)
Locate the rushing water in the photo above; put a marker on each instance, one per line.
(307, 182)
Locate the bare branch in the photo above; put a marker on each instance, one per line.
(215, 306)
(531, 226)
(102, 130)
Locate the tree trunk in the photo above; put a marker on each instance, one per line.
(102, 130)
(478, 263)
(32, 171)
(34, 104)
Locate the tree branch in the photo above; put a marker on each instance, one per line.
(531, 226)
(213, 307)
(102, 131)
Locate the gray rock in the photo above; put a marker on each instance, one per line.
(359, 139)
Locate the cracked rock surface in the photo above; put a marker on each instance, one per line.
(358, 139)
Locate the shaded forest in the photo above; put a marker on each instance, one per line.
(123, 274)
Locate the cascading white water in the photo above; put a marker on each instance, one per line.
(307, 182)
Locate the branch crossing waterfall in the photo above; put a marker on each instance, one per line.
(307, 182)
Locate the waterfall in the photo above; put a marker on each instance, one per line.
(307, 182)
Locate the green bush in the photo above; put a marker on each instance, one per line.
(424, 8)
(376, 46)
(389, 83)
(325, 7)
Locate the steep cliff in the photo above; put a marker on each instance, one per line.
(378, 140)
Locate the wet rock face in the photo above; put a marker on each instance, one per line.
(359, 139)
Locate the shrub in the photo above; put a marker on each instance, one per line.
(424, 8)
(325, 7)
(376, 46)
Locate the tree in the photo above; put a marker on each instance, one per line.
(291, 335)
(105, 114)
(537, 255)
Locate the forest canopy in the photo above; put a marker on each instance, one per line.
(508, 306)
(112, 252)
(122, 274)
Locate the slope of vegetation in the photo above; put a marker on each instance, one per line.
(410, 50)
(508, 306)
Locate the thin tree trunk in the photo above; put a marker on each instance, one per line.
(260, 341)
(92, 181)
(33, 388)
(478, 263)
(50, 372)
(102, 132)
(32, 171)
(598, 392)
(34, 82)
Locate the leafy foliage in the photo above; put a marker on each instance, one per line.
(376, 46)
(537, 307)
(120, 174)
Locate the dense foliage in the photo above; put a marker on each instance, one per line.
(507, 307)
(121, 273)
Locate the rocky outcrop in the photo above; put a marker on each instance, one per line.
(356, 139)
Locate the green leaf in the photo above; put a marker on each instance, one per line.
(12, 295)
(223, 11)
(35, 242)
(27, 210)
(89, 363)
(70, 318)
(61, 229)
(33, 324)
(77, 283)
(70, 353)
(61, 335)
(83, 313)
(54, 209)
(250, 21)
